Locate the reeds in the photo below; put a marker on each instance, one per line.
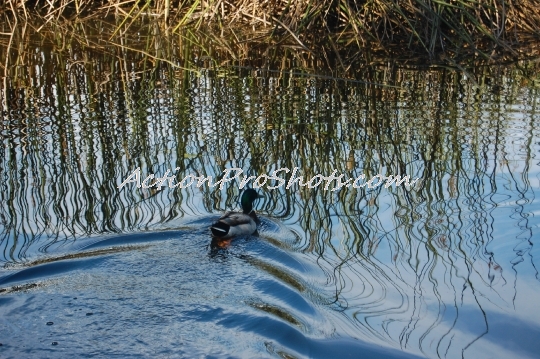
(338, 31)
(90, 109)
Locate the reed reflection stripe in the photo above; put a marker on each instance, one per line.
(261, 180)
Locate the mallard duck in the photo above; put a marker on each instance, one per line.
(234, 224)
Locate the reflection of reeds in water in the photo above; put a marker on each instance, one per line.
(76, 122)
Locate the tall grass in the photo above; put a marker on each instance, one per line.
(334, 30)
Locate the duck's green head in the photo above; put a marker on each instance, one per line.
(247, 199)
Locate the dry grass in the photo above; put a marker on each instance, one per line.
(338, 31)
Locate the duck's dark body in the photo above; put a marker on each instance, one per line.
(234, 224)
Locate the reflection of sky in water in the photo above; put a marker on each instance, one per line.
(445, 269)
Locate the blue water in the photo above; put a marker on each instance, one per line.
(170, 294)
(446, 268)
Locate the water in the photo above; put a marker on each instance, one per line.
(442, 269)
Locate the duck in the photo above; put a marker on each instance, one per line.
(234, 224)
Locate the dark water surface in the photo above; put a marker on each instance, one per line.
(446, 268)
